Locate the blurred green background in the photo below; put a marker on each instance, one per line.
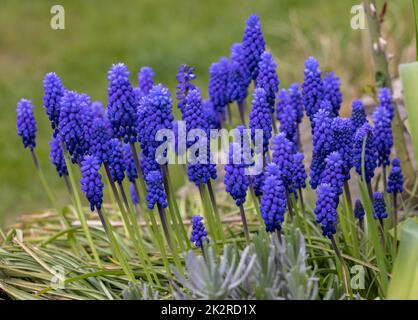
(162, 34)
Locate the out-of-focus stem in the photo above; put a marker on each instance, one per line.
(383, 78)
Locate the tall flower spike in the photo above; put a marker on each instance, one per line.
(379, 206)
(332, 92)
(267, 78)
(370, 159)
(70, 125)
(134, 196)
(312, 87)
(87, 117)
(239, 75)
(282, 156)
(323, 145)
(218, 82)
(154, 113)
(99, 139)
(26, 124)
(253, 44)
(385, 98)
(295, 100)
(382, 135)
(145, 81)
(333, 173)
(199, 234)
(57, 156)
(288, 122)
(299, 173)
(91, 181)
(117, 161)
(131, 172)
(184, 77)
(98, 111)
(395, 181)
(260, 118)
(193, 116)
(53, 92)
(155, 190)
(326, 209)
(273, 201)
(122, 104)
(358, 114)
(236, 181)
(148, 163)
(343, 138)
(210, 115)
(359, 210)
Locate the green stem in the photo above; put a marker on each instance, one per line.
(207, 213)
(79, 207)
(117, 252)
(178, 218)
(244, 224)
(395, 223)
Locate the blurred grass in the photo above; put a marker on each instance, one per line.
(161, 34)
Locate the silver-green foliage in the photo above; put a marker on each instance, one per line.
(267, 269)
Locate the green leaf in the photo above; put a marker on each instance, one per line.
(404, 283)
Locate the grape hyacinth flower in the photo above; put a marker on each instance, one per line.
(98, 111)
(258, 182)
(358, 115)
(235, 180)
(395, 181)
(379, 207)
(385, 98)
(26, 123)
(145, 82)
(333, 174)
(295, 100)
(134, 195)
(57, 156)
(70, 125)
(343, 138)
(299, 172)
(116, 160)
(218, 82)
(53, 92)
(131, 172)
(267, 78)
(323, 145)
(239, 76)
(322, 135)
(273, 201)
(148, 163)
(155, 190)
(154, 113)
(99, 139)
(282, 156)
(312, 87)
(122, 104)
(210, 115)
(395, 187)
(288, 123)
(332, 92)
(184, 77)
(260, 118)
(359, 212)
(382, 136)
(193, 116)
(91, 181)
(370, 159)
(253, 45)
(199, 235)
(326, 209)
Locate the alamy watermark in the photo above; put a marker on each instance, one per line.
(58, 17)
